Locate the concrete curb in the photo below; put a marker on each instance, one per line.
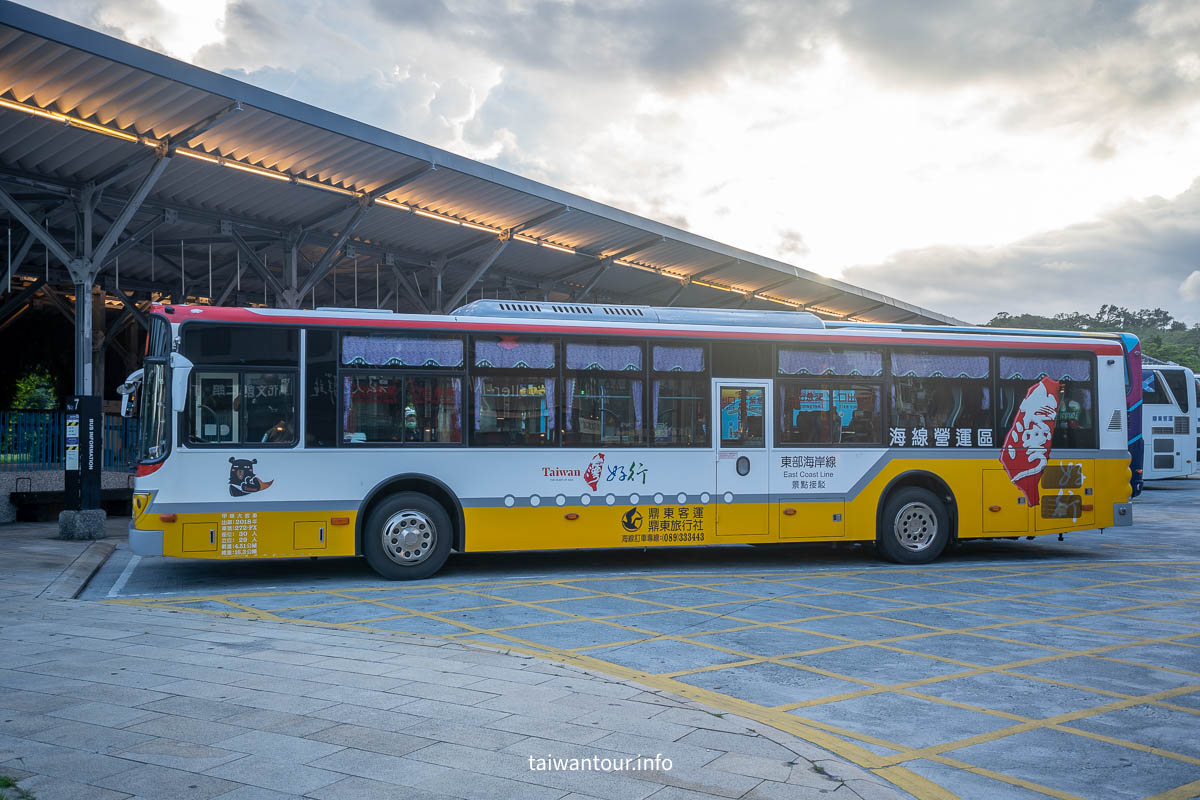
(71, 581)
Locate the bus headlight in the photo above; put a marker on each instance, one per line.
(140, 501)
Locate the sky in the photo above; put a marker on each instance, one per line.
(969, 156)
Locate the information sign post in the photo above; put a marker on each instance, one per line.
(83, 467)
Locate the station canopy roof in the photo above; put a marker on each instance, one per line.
(250, 197)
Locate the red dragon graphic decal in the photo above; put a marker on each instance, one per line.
(1027, 446)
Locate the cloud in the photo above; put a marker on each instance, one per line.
(822, 132)
(1190, 288)
(791, 243)
(1142, 255)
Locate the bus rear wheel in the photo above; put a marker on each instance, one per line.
(407, 537)
(914, 528)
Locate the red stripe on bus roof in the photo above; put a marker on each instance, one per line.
(230, 314)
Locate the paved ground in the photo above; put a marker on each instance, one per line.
(1007, 669)
(102, 701)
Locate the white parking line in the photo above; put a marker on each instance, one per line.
(124, 577)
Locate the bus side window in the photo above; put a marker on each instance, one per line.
(241, 407)
(941, 400)
(1075, 426)
(604, 393)
(321, 397)
(514, 389)
(836, 399)
(680, 394)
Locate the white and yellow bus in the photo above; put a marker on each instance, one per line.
(545, 426)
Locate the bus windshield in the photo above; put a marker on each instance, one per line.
(1177, 380)
(153, 441)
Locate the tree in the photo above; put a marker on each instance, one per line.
(35, 389)
(1162, 336)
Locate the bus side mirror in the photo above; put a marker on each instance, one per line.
(129, 393)
(181, 371)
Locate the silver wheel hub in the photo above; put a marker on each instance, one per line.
(408, 537)
(915, 526)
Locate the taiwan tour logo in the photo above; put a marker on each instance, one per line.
(242, 480)
(594, 470)
(632, 521)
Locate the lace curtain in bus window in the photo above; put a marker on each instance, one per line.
(605, 357)
(1032, 368)
(401, 351)
(939, 365)
(827, 361)
(668, 358)
(512, 352)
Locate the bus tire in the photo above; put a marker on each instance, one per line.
(914, 527)
(407, 537)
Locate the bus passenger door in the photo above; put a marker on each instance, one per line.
(741, 439)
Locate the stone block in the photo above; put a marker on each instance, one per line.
(82, 525)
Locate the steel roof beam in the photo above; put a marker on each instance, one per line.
(462, 250)
(383, 189)
(400, 181)
(467, 285)
(772, 286)
(256, 263)
(52, 295)
(236, 274)
(131, 240)
(99, 255)
(40, 217)
(202, 126)
(591, 284)
(21, 299)
(325, 262)
(571, 272)
(31, 225)
(131, 307)
(806, 304)
(678, 293)
(411, 289)
(540, 219)
(713, 270)
(871, 307)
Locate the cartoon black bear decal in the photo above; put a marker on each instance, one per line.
(242, 480)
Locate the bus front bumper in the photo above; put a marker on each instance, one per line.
(1122, 515)
(145, 543)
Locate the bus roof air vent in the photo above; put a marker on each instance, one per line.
(644, 314)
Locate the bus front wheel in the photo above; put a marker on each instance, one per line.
(914, 528)
(407, 537)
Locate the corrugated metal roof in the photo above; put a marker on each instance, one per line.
(51, 65)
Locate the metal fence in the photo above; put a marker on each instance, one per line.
(32, 440)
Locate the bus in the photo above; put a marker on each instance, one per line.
(1133, 411)
(1168, 414)
(517, 426)
(1132, 355)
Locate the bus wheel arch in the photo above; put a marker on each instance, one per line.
(421, 484)
(927, 501)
